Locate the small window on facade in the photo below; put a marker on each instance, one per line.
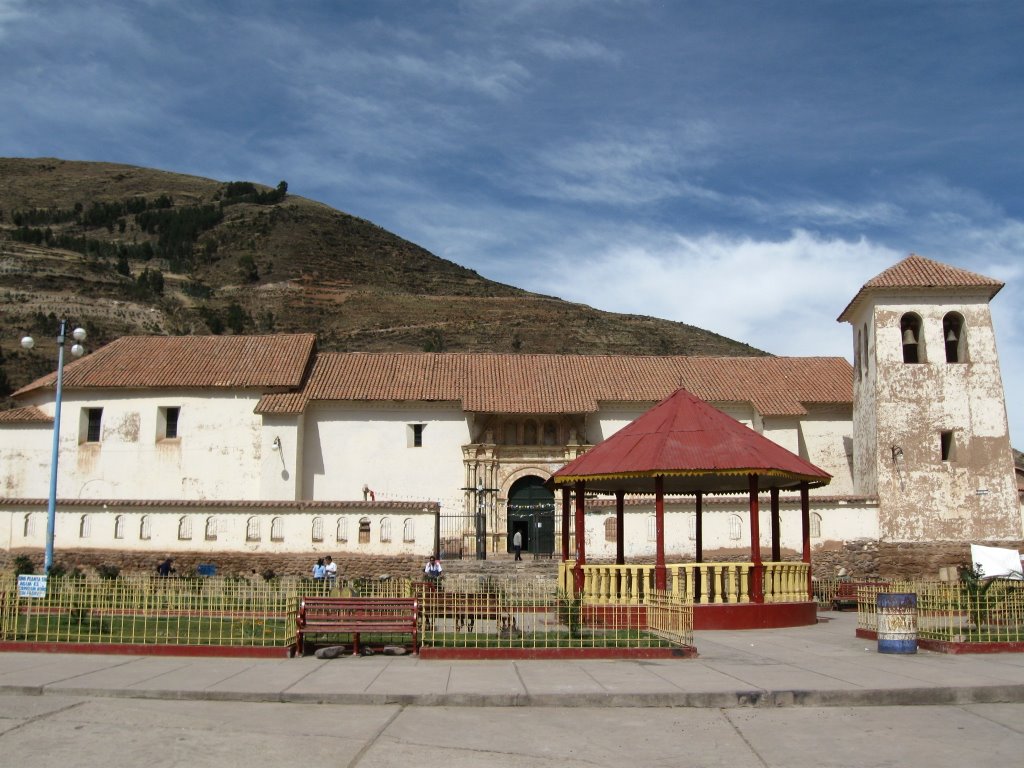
(815, 525)
(947, 446)
(145, 530)
(119, 527)
(610, 529)
(167, 422)
(318, 529)
(953, 334)
(416, 435)
(550, 433)
(510, 433)
(385, 529)
(185, 528)
(409, 530)
(277, 529)
(211, 529)
(364, 530)
(692, 528)
(735, 527)
(93, 424)
(652, 528)
(341, 531)
(911, 338)
(30, 526)
(864, 349)
(252, 529)
(856, 356)
(530, 433)
(84, 527)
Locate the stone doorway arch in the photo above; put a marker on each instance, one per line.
(531, 511)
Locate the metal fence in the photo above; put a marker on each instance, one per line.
(956, 612)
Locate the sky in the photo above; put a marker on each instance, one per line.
(741, 166)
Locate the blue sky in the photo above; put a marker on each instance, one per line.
(741, 166)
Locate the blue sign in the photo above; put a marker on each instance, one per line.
(31, 586)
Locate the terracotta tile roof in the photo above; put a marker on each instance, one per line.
(549, 384)
(28, 415)
(918, 272)
(137, 362)
(202, 505)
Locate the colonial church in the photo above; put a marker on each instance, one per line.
(263, 444)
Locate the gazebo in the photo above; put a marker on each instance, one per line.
(683, 446)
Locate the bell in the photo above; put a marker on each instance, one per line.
(909, 338)
(950, 335)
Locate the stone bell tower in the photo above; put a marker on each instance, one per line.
(930, 435)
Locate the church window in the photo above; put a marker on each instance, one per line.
(815, 525)
(692, 533)
(415, 434)
(550, 433)
(341, 530)
(947, 446)
(29, 530)
(953, 334)
(530, 433)
(510, 433)
(84, 527)
(145, 528)
(611, 527)
(385, 529)
(318, 529)
(277, 529)
(119, 527)
(185, 528)
(735, 527)
(91, 425)
(864, 349)
(911, 338)
(252, 529)
(364, 530)
(409, 530)
(652, 528)
(211, 529)
(167, 422)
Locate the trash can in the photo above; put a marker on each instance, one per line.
(897, 622)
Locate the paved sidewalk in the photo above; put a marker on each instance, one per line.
(823, 665)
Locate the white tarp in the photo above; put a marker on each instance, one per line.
(996, 561)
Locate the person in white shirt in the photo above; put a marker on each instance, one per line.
(330, 571)
(432, 570)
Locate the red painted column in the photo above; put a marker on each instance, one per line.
(805, 532)
(620, 527)
(660, 577)
(776, 549)
(699, 532)
(566, 510)
(757, 578)
(581, 546)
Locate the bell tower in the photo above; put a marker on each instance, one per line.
(930, 435)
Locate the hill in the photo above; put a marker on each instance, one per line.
(125, 250)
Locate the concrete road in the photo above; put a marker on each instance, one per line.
(80, 732)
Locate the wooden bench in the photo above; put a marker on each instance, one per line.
(846, 594)
(356, 616)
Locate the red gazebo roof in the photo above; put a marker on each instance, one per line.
(695, 447)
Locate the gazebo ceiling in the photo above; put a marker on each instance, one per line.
(695, 448)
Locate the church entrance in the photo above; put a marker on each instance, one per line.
(531, 512)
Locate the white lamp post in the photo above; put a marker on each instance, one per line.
(77, 350)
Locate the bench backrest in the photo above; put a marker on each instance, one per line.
(339, 609)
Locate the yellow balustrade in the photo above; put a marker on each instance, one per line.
(705, 583)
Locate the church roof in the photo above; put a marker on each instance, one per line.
(152, 362)
(694, 447)
(918, 272)
(27, 415)
(552, 384)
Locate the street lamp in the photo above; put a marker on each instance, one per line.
(77, 350)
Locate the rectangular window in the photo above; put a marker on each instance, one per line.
(947, 446)
(168, 427)
(416, 435)
(93, 424)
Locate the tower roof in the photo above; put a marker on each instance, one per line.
(917, 272)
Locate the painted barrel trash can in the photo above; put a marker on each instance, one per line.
(897, 622)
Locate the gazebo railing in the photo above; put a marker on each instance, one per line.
(705, 583)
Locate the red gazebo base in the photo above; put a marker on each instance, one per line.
(755, 615)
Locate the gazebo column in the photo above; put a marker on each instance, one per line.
(620, 534)
(805, 532)
(581, 546)
(699, 535)
(660, 577)
(776, 549)
(566, 510)
(757, 577)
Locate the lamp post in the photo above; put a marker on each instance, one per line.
(77, 350)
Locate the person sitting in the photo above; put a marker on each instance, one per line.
(433, 570)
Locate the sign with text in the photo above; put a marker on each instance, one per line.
(31, 586)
